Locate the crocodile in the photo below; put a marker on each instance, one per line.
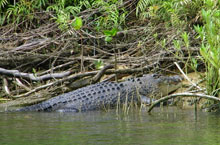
(99, 95)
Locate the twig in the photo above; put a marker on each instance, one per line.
(186, 77)
(182, 95)
(98, 76)
(59, 66)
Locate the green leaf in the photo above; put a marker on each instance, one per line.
(111, 32)
(34, 72)
(108, 38)
(107, 32)
(204, 52)
(99, 64)
(77, 23)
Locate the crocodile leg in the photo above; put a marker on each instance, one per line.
(146, 100)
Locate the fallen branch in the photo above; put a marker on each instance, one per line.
(74, 77)
(98, 76)
(182, 95)
(89, 80)
(31, 76)
(56, 83)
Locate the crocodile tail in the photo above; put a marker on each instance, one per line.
(37, 107)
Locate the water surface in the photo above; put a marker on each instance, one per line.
(167, 126)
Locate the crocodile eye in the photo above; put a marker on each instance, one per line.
(156, 76)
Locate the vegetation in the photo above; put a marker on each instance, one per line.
(41, 36)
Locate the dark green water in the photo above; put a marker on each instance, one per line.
(168, 126)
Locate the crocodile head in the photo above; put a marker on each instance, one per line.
(168, 84)
(158, 85)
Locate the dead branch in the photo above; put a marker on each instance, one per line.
(72, 78)
(186, 77)
(33, 77)
(182, 95)
(98, 76)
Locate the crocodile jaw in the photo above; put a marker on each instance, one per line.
(169, 84)
(165, 90)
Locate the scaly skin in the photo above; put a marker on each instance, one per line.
(102, 94)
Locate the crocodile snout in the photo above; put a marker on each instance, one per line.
(168, 84)
(175, 79)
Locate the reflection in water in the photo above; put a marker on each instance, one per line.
(163, 126)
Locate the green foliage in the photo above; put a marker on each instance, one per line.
(77, 23)
(109, 34)
(3, 3)
(210, 48)
(21, 11)
(65, 12)
(142, 5)
(62, 13)
(185, 37)
(174, 12)
(99, 64)
(2, 19)
(112, 17)
(39, 4)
